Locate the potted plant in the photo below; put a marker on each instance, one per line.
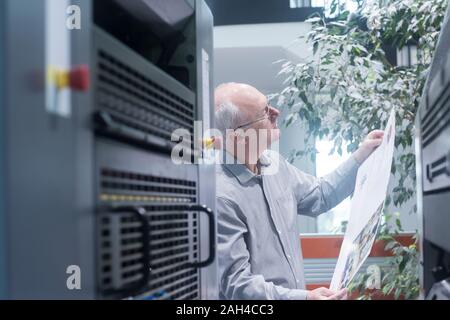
(348, 88)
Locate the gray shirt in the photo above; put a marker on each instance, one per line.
(259, 250)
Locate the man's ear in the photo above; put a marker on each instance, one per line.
(218, 143)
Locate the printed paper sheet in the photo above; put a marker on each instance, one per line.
(366, 209)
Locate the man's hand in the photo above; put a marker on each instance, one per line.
(327, 294)
(370, 143)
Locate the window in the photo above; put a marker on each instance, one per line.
(333, 220)
(307, 3)
(407, 56)
(351, 5)
(300, 3)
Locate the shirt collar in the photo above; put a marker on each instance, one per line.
(240, 170)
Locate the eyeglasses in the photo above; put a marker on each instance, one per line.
(265, 116)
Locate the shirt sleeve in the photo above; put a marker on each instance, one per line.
(236, 278)
(318, 195)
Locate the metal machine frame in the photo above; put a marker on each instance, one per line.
(97, 188)
(433, 173)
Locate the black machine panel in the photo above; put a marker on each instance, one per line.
(148, 225)
(136, 203)
(435, 140)
(150, 233)
(434, 166)
(136, 101)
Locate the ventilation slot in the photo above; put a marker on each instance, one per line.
(125, 187)
(173, 243)
(133, 107)
(173, 236)
(437, 118)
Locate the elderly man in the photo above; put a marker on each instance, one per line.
(259, 195)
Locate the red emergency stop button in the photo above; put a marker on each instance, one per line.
(79, 78)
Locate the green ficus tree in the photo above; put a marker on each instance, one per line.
(350, 85)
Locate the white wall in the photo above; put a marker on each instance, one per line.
(263, 35)
(247, 52)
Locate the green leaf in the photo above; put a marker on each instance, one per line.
(333, 92)
(399, 224)
(402, 264)
(302, 96)
(315, 47)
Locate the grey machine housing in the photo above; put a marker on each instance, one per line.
(433, 172)
(96, 188)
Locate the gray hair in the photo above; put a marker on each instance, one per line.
(227, 116)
